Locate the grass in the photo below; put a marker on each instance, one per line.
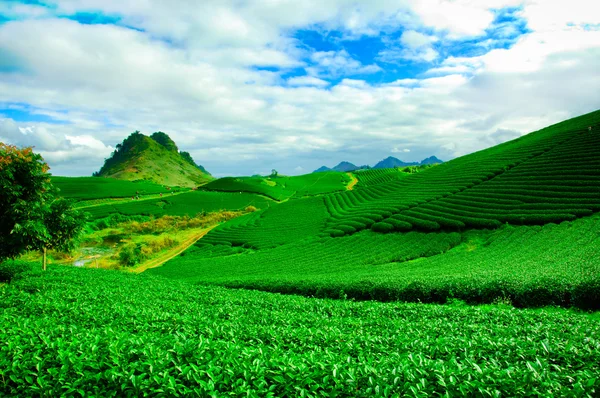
(94, 332)
(189, 239)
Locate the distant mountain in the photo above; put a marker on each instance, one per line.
(387, 163)
(431, 160)
(321, 169)
(391, 162)
(343, 167)
(155, 158)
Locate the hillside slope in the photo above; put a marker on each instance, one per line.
(514, 222)
(551, 175)
(283, 187)
(155, 158)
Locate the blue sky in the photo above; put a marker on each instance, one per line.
(247, 86)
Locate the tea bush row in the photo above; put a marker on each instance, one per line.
(92, 332)
(528, 265)
(503, 174)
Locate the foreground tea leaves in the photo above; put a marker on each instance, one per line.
(102, 333)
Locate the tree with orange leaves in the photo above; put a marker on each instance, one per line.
(31, 216)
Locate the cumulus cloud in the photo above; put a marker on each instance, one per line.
(221, 78)
(307, 81)
(412, 46)
(57, 149)
(413, 39)
(338, 63)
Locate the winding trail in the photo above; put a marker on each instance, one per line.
(173, 252)
(353, 181)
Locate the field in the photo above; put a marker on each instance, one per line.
(282, 187)
(89, 188)
(94, 332)
(526, 266)
(187, 203)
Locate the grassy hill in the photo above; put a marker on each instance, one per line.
(514, 222)
(283, 187)
(183, 204)
(89, 188)
(155, 158)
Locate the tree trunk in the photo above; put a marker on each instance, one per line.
(44, 261)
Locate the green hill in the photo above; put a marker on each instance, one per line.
(514, 222)
(155, 158)
(90, 188)
(283, 187)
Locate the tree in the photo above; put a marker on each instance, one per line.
(31, 216)
(274, 173)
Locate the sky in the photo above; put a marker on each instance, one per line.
(250, 86)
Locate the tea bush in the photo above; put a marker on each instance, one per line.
(91, 332)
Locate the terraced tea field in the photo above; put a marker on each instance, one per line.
(187, 203)
(89, 188)
(515, 222)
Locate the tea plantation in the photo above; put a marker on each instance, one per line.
(187, 203)
(527, 266)
(516, 222)
(103, 333)
(87, 188)
(283, 187)
(476, 277)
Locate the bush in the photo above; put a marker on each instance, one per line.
(11, 269)
(382, 227)
(131, 254)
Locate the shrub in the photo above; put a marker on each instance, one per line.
(11, 269)
(382, 227)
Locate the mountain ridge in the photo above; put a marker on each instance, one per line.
(387, 163)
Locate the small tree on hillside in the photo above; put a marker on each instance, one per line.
(31, 216)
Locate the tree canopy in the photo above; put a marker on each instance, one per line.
(32, 217)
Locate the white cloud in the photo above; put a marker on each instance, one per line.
(459, 17)
(414, 46)
(426, 54)
(191, 71)
(400, 150)
(338, 63)
(56, 148)
(307, 81)
(414, 39)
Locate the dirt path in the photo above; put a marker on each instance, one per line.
(352, 183)
(173, 252)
